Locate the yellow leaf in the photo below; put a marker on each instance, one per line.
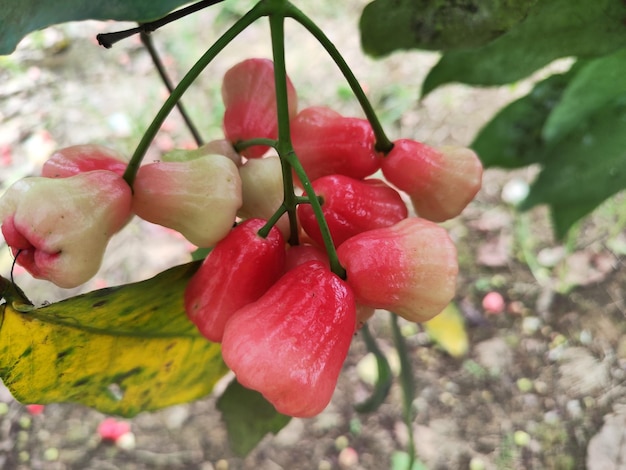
(448, 330)
(121, 350)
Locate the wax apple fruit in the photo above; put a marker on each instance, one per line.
(441, 182)
(249, 96)
(236, 272)
(77, 159)
(59, 227)
(352, 206)
(328, 143)
(409, 268)
(198, 198)
(262, 190)
(290, 344)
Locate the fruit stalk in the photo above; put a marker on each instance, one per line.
(383, 143)
(285, 150)
(255, 13)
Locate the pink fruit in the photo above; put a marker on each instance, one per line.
(59, 227)
(249, 95)
(409, 268)
(82, 158)
(236, 272)
(290, 344)
(352, 206)
(493, 303)
(328, 143)
(441, 182)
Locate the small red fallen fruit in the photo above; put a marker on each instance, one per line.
(111, 429)
(493, 303)
(35, 409)
(290, 345)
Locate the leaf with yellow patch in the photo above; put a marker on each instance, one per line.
(448, 330)
(121, 350)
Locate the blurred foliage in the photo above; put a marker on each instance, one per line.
(573, 125)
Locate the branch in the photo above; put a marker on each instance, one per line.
(108, 39)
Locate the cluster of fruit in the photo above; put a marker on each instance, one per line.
(284, 318)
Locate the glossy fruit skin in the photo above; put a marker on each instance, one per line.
(61, 226)
(300, 254)
(290, 345)
(77, 159)
(352, 206)
(409, 268)
(198, 198)
(262, 190)
(327, 143)
(441, 182)
(236, 272)
(249, 95)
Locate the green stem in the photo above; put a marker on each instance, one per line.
(335, 265)
(244, 144)
(273, 220)
(288, 157)
(407, 382)
(284, 147)
(383, 143)
(255, 13)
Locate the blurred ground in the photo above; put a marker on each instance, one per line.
(542, 386)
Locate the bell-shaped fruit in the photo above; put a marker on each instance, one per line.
(352, 206)
(215, 147)
(249, 95)
(409, 268)
(300, 254)
(327, 143)
(441, 182)
(58, 228)
(198, 198)
(236, 272)
(262, 190)
(77, 159)
(290, 344)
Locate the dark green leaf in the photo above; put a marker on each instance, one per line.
(584, 168)
(596, 85)
(552, 29)
(248, 417)
(385, 377)
(121, 350)
(388, 25)
(512, 138)
(19, 18)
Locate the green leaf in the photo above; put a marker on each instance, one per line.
(121, 350)
(513, 138)
(385, 376)
(595, 86)
(248, 417)
(585, 167)
(388, 25)
(18, 18)
(552, 29)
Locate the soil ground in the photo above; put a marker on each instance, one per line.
(542, 385)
